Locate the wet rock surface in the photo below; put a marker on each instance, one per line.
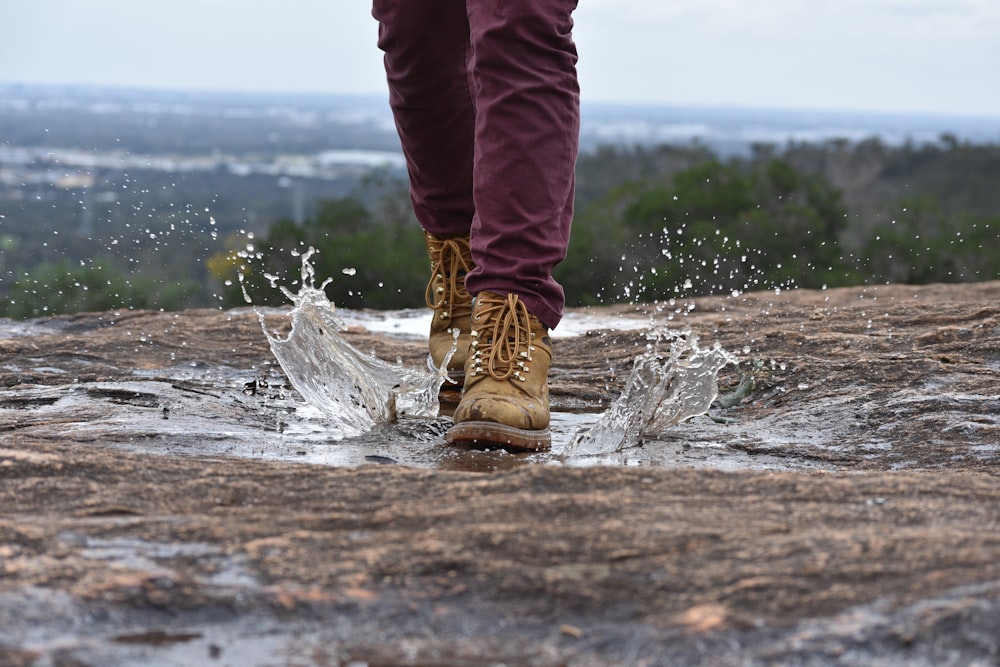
(165, 499)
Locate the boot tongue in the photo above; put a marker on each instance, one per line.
(449, 265)
(505, 334)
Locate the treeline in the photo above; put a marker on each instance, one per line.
(651, 224)
(375, 256)
(655, 224)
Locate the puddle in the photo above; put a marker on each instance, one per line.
(205, 409)
(17, 328)
(414, 323)
(214, 567)
(381, 412)
(362, 395)
(204, 419)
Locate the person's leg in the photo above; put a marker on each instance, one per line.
(527, 125)
(426, 46)
(527, 134)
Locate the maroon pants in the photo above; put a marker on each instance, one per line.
(487, 105)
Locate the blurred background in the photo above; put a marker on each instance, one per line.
(178, 153)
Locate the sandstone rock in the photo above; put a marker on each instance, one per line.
(163, 499)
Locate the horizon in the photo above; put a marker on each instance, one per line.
(726, 131)
(373, 96)
(866, 56)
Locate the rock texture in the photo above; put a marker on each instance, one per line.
(165, 500)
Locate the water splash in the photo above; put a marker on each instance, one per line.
(356, 391)
(359, 391)
(664, 389)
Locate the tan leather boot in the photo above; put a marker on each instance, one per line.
(451, 259)
(505, 402)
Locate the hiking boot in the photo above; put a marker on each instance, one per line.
(505, 401)
(451, 259)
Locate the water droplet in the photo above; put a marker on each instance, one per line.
(664, 389)
(357, 391)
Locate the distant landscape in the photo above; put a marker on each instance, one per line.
(153, 199)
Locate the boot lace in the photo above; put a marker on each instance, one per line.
(502, 348)
(450, 261)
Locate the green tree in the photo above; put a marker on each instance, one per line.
(712, 228)
(926, 244)
(55, 288)
(371, 263)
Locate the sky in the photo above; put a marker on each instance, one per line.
(918, 56)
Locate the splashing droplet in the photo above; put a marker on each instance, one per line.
(664, 389)
(357, 391)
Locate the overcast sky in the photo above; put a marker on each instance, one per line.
(879, 55)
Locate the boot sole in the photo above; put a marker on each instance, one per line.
(484, 435)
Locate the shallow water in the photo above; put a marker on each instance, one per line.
(351, 408)
(66, 380)
(359, 393)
